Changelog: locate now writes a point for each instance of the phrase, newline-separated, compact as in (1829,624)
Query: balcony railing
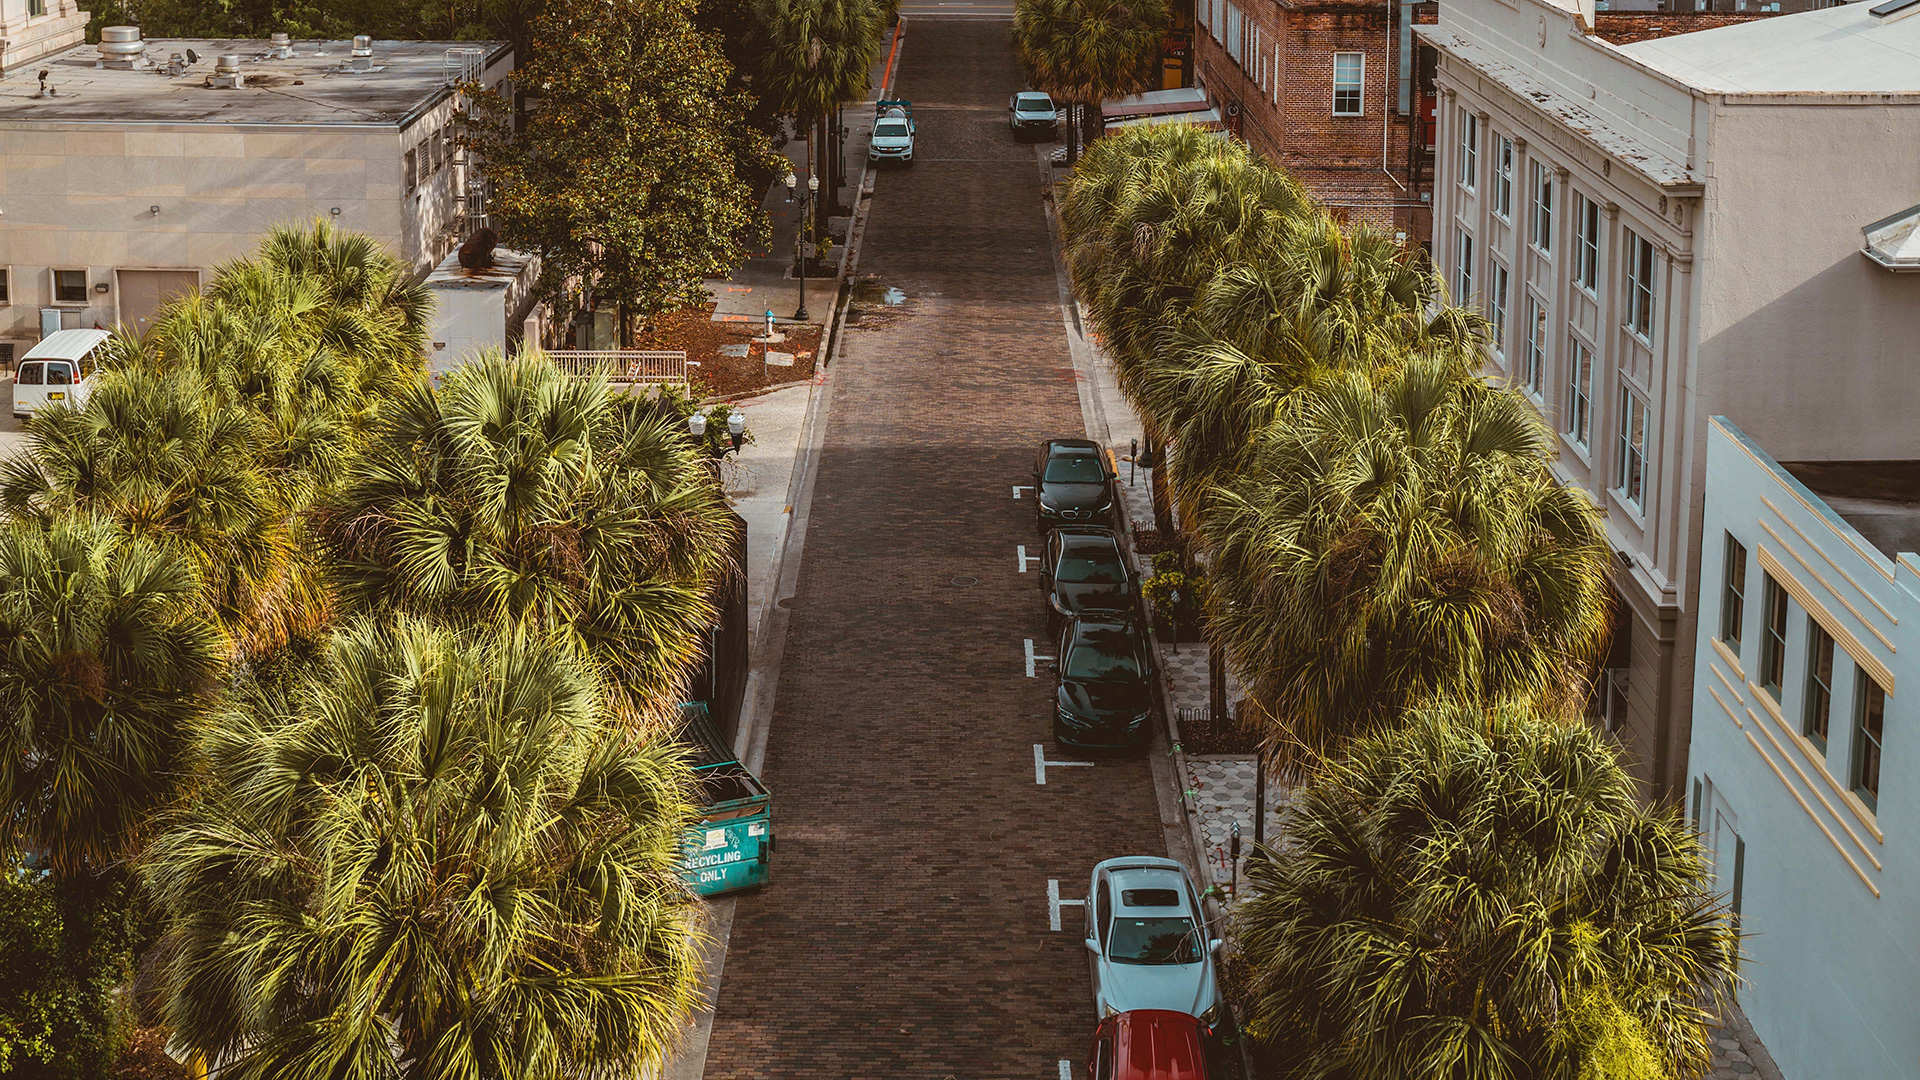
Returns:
(627,365)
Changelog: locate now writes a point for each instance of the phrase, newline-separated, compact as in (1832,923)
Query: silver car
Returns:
(1147,940)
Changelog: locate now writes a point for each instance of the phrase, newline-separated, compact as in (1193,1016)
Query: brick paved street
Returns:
(905,931)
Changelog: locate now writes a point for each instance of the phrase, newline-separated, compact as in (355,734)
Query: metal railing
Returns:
(627,365)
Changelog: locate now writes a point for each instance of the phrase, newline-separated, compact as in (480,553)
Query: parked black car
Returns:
(1082,570)
(1103,686)
(1072,484)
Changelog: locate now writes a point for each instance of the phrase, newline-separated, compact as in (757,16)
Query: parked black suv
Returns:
(1072,484)
(1103,685)
(1082,570)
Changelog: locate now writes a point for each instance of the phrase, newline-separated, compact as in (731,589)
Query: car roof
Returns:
(1101,621)
(1151,877)
(1089,537)
(1157,1044)
(66,345)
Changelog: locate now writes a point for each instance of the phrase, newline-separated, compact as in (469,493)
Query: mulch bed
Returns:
(1202,736)
(145,1058)
(724,376)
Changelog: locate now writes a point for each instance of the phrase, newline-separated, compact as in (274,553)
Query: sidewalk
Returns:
(766,281)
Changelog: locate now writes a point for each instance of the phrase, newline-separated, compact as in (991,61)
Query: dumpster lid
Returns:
(698,734)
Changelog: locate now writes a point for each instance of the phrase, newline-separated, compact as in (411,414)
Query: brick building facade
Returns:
(1319,87)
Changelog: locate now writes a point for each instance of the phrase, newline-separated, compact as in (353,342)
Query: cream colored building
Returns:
(31,29)
(1674,229)
(130,172)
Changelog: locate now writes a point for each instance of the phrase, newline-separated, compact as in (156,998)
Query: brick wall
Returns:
(1627,27)
(1285,96)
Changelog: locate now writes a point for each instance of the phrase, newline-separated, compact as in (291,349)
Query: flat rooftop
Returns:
(1837,50)
(311,87)
(1880,499)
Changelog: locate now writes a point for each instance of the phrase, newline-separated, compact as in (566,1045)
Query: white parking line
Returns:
(1032,656)
(1054,903)
(1025,558)
(1041,764)
(1018,488)
(1066,1069)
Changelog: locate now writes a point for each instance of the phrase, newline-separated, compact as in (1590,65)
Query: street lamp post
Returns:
(806,220)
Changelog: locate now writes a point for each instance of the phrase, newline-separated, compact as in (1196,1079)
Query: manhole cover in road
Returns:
(966,582)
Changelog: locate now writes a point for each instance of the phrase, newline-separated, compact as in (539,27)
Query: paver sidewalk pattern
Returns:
(905,932)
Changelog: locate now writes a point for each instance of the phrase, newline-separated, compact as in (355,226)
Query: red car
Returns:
(1148,1044)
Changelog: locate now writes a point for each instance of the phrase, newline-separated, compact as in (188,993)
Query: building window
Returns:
(1469,150)
(413,170)
(1349,80)
(1234,31)
(1632,473)
(1733,595)
(1463,267)
(1869,723)
(1579,393)
(1586,270)
(69,286)
(1503,177)
(36,8)
(1819,684)
(1773,636)
(6,285)
(1542,207)
(1640,286)
(1536,366)
(1497,305)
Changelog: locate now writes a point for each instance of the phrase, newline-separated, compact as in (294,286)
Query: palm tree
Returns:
(815,56)
(1083,52)
(105,658)
(438,855)
(1153,215)
(156,454)
(1482,894)
(1389,543)
(517,494)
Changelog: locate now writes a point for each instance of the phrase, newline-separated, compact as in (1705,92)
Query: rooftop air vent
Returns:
(1893,10)
(362,53)
(282,46)
(226,73)
(120,47)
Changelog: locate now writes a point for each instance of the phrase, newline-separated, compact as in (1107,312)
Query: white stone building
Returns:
(31,29)
(1804,757)
(126,177)
(1673,229)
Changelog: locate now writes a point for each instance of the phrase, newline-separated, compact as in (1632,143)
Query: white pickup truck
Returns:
(892,138)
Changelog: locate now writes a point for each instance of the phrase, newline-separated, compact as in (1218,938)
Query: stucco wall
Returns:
(1833,969)
(1806,344)
(82,196)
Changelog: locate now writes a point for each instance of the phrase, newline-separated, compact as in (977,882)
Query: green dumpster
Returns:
(731,845)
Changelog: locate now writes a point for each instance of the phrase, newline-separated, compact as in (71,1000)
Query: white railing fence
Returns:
(627,365)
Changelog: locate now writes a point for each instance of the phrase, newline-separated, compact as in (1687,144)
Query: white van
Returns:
(59,369)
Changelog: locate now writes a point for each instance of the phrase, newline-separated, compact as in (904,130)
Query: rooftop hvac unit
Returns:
(362,53)
(281,46)
(226,72)
(120,47)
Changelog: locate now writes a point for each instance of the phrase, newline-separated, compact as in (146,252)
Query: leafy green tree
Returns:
(65,955)
(440,855)
(815,56)
(518,494)
(1393,542)
(1083,52)
(105,657)
(625,178)
(1483,894)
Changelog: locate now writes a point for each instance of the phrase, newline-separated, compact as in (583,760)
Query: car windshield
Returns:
(890,127)
(1154,941)
(1034,103)
(1091,564)
(1103,654)
(1079,469)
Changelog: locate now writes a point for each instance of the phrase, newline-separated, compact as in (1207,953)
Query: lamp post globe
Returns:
(737,428)
(697,425)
